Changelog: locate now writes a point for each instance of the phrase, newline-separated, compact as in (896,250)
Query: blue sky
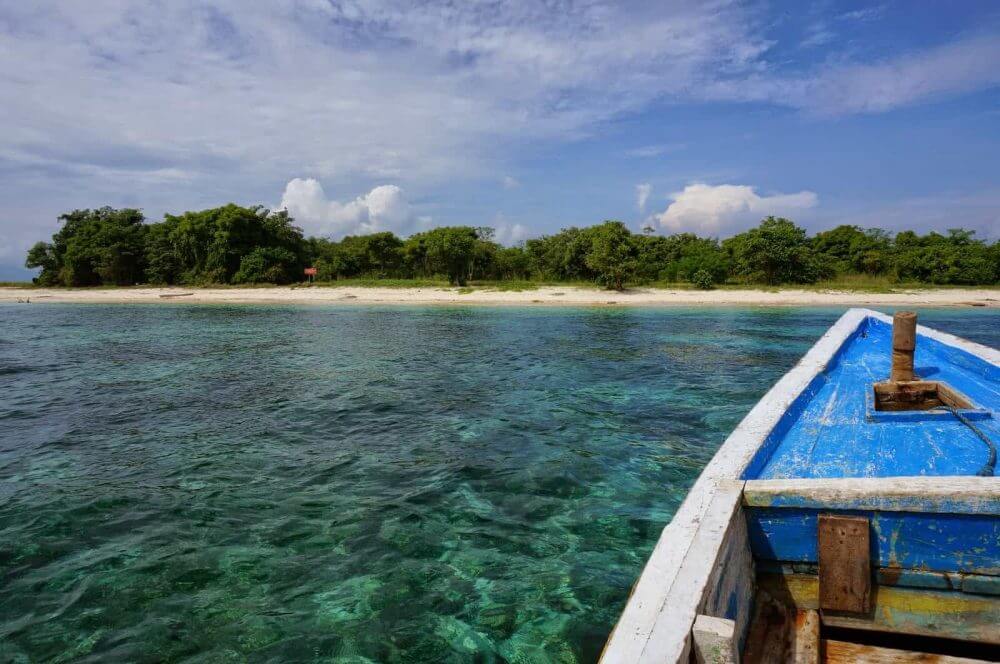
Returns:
(527,116)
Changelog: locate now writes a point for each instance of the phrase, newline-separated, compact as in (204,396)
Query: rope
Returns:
(991,463)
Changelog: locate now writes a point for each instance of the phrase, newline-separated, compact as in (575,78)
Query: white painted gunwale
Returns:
(938,495)
(656,623)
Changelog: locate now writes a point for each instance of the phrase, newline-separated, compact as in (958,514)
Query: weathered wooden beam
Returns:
(714,641)
(934,613)
(845,572)
(904,341)
(938,495)
(806,646)
(842,652)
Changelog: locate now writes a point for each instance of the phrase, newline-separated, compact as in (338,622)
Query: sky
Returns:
(523,115)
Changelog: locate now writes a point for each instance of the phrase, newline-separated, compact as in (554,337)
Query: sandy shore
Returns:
(549,295)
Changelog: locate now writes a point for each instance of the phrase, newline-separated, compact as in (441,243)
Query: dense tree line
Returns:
(241,245)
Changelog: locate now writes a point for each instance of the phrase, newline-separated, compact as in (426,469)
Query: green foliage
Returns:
(848,249)
(271,265)
(448,250)
(512,263)
(43,255)
(956,258)
(703,279)
(561,257)
(775,252)
(612,254)
(103,246)
(250,245)
(209,246)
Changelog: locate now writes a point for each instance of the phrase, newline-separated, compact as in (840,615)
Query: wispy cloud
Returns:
(642,192)
(962,66)
(864,14)
(817,34)
(654,150)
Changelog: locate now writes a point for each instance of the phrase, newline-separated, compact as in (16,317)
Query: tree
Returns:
(775,252)
(163,260)
(562,256)
(612,254)
(447,250)
(274,265)
(208,246)
(93,247)
(512,263)
(653,252)
(956,258)
(42,255)
(847,249)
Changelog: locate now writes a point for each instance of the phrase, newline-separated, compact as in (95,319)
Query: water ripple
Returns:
(216,483)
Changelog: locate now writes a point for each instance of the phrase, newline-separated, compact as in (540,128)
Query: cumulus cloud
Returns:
(508,233)
(384,208)
(727,208)
(642,192)
(510,182)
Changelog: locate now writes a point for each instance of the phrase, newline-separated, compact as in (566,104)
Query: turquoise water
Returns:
(226,483)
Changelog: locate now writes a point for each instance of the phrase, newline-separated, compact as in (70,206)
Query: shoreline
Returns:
(542,296)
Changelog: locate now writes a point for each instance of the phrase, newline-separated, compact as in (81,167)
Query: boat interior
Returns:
(862,523)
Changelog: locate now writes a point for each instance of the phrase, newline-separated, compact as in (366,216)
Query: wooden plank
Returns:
(904,341)
(652,606)
(714,640)
(845,574)
(806,648)
(842,652)
(941,614)
(938,495)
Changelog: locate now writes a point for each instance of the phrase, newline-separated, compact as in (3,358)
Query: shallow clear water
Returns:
(226,483)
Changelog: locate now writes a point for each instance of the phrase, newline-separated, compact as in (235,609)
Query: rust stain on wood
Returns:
(845,576)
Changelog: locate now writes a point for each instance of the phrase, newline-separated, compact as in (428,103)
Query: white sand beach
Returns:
(547,295)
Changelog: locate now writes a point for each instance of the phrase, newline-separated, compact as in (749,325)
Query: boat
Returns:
(852,516)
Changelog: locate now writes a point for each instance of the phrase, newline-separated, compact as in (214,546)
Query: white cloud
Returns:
(508,233)
(175,105)
(642,192)
(511,234)
(817,34)
(384,208)
(510,182)
(646,151)
(376,89)
(866,14)
(727,208)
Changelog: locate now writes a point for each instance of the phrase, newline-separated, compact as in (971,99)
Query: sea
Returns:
(258,483)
